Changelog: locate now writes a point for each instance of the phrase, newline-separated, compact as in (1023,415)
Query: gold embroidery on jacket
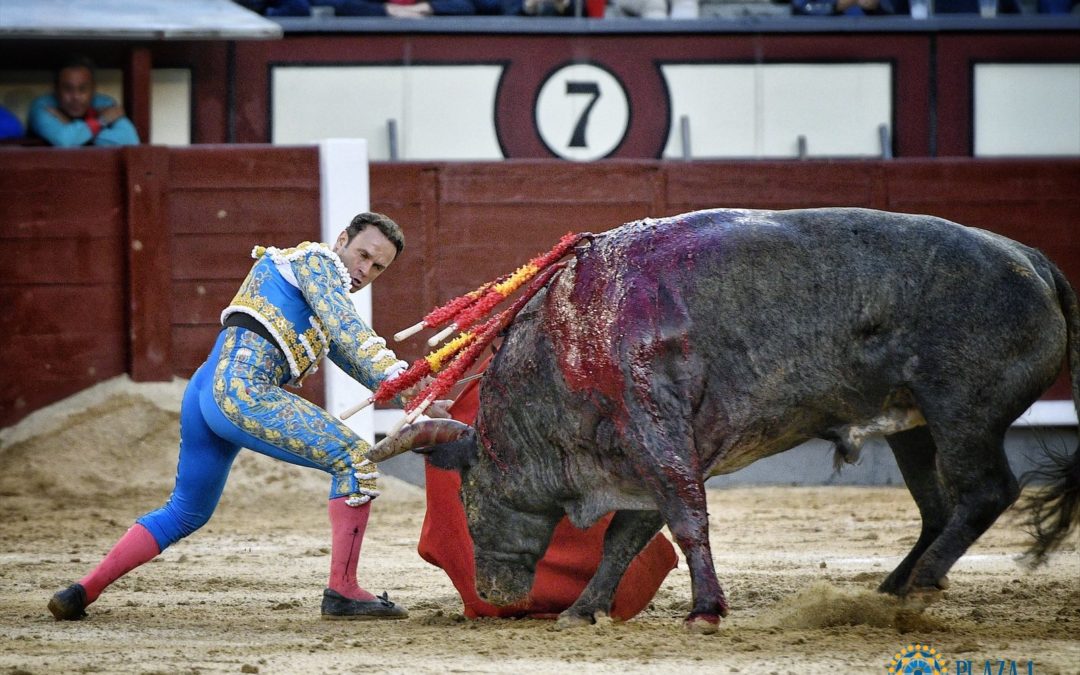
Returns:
(305,349)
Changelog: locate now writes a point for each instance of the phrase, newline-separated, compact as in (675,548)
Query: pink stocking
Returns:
(134,548)
(347,525)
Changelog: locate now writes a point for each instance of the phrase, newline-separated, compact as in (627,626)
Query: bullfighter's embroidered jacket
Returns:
(301,296)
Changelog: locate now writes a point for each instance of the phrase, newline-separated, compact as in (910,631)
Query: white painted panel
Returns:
(747,110)
(719,101)
(312,103)
(837,107)
(449,113)
(442,112)
(1027,109)
(170,106)
(109,82)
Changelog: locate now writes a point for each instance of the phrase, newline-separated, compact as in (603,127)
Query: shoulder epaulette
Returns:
(282,256)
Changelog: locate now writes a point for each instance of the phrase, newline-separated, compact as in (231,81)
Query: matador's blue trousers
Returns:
(234,400)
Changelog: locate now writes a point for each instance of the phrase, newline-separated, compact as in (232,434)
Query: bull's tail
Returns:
(1054,511)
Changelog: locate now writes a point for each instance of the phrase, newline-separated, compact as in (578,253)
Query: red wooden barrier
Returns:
(121,260)
(62,237)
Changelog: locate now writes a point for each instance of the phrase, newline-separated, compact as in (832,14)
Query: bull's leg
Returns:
(975,471)
(916,455)
(627,534)
(685,513)
(667,463)
(655,430)
(657,435)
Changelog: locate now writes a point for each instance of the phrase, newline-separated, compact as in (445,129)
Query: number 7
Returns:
(577,140)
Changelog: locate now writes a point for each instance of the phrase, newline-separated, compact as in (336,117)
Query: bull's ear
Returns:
(454,455)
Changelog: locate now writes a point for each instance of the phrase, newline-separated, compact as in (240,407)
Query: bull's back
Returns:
(827,317)
(775,324)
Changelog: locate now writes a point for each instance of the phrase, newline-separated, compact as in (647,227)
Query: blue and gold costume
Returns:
(299,298)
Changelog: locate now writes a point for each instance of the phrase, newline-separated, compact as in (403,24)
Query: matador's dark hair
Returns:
(388,227)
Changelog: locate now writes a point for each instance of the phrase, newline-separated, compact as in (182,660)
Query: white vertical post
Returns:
(392,137)
(885,141)
(343,181)
(684,134)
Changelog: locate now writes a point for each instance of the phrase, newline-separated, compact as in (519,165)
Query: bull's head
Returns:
(508,538)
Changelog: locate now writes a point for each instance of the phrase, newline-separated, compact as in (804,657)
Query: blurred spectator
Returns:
(548,7)
(1057,6)
(878,7)
(645,9)
(590,8)
(742,9)
(75,114)
(972,7)
(454,8)
(850,7)
(10,126)
(685,9)
(394,8)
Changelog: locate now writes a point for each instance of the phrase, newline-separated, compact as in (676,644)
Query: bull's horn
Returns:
(419,435)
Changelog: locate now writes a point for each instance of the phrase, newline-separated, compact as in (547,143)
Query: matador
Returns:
(292,309)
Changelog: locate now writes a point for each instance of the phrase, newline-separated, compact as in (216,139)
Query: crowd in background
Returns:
(70,117)
(652,9)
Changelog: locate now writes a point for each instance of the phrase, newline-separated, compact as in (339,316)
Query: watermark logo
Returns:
(995,667)
(917,659)
(920,659)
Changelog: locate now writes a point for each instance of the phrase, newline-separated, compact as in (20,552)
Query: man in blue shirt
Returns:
(75,114)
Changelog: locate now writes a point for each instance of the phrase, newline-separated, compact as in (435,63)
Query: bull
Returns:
(675,349)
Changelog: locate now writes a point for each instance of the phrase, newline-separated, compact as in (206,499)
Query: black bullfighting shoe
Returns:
(69,604)
(336,606)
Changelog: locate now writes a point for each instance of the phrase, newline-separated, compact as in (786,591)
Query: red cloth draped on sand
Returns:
(561,575)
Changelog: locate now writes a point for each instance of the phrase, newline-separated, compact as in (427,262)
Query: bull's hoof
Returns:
(890,586)
(702,624)
(893,587)
(926,593)
(567,621)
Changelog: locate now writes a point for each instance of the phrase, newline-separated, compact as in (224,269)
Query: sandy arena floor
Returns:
(242,595)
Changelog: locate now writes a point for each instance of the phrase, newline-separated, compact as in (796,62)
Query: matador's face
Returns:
(366,256)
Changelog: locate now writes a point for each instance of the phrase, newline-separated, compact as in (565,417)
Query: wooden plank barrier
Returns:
(62,238)
(476,221)
(120,260)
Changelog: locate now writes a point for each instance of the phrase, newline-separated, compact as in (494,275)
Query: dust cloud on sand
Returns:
(242,595)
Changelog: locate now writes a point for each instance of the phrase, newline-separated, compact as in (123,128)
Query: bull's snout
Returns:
(502,583)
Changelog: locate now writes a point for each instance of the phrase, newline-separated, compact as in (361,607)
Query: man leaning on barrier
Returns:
(76,114)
